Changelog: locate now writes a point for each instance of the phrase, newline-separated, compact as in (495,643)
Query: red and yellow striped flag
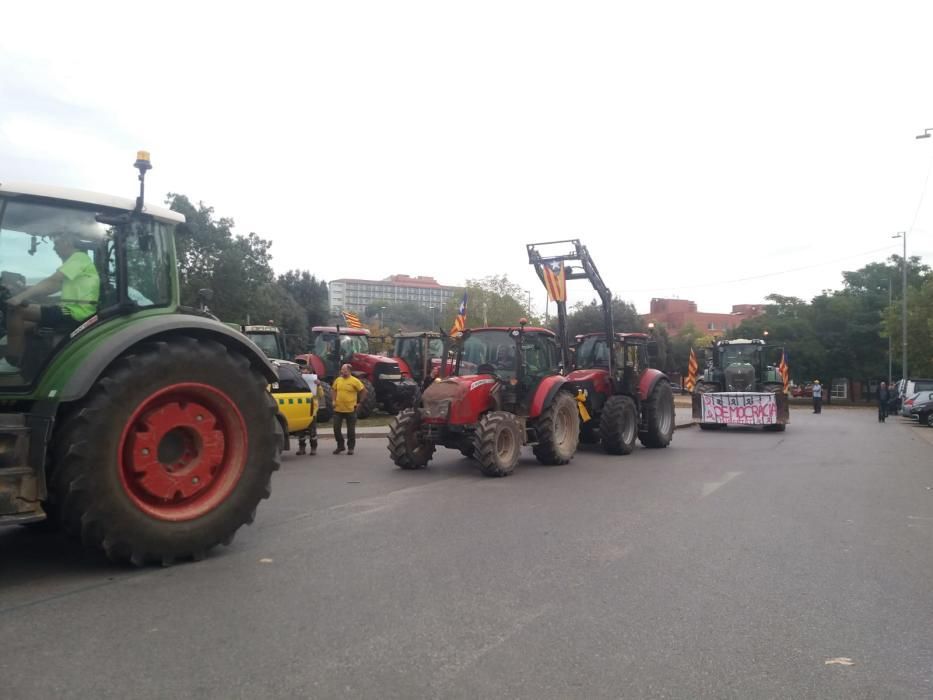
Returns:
(691,382)
(555,281)
(460,322)
(352,319)
(784,370)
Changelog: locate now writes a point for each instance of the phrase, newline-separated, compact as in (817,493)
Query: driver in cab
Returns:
(79,285)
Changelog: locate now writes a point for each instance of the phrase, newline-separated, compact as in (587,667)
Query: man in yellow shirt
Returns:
(348,393)
(79,284)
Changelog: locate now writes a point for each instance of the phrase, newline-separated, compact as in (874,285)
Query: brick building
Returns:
(354,294)
(677,313)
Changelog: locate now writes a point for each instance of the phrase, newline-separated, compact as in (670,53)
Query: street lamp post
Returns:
(890,359)
(433,317)
(903,235)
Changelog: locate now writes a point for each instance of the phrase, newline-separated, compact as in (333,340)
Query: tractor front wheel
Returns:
(618,425)
(659,417)
(558,429)
(368,405)
(498,443)
(325,409)
(168,454)
(407,445)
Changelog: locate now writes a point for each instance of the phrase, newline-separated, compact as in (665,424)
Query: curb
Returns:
(330,435)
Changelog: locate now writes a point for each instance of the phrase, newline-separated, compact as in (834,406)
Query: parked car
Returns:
(804,391)
(908,395)
(922,407)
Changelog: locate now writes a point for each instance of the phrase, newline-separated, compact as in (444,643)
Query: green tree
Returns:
(310,294)
(492,301)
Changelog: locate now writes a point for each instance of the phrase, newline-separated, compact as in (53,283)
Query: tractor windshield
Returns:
(58,268)
(592,352)
(269,344)
(740,354)
(411,350)
(489,352)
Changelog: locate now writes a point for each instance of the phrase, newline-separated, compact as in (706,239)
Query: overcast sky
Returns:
(690,145)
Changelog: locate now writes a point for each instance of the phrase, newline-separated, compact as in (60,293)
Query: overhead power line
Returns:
(722,283)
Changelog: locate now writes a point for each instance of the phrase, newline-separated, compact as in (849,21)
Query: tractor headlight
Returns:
(436,409)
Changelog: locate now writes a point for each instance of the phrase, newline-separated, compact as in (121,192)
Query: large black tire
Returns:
(168,454)
(618,425)
(703,388)
(368,406)
(407,446)
(498,443)
(325,410)
(774,389)
(659,416)
(558,429)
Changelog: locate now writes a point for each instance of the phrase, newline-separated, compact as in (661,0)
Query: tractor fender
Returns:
(161,327)
(545,393)
(314,362)
(403,367)
(648,380)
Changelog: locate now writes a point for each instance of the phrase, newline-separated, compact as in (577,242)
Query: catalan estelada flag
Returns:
(555,281)
(460,322)
(352,319)
(784,370)
(691,382)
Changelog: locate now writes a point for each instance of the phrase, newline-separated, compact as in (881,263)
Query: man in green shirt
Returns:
(77,281)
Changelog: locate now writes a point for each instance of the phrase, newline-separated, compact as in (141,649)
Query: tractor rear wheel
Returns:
(407,445)
(326,409)
(368,406)
(618,425)
(659,416)
(498,443)
(168,454)
(558,429)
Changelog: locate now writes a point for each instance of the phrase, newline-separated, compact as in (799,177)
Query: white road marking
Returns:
(711,486)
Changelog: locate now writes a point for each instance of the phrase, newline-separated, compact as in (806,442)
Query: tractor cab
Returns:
(69,259)
(493,368)
(629,357)
(336,346)
(419,351)
(269,339)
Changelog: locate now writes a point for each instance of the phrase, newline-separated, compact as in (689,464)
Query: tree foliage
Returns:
(238,270)
(843,333)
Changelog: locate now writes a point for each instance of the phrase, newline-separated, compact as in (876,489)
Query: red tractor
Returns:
(624,398)
(385,381)
(506,391)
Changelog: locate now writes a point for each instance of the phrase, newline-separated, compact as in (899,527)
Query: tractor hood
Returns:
(740,376)
(459,400)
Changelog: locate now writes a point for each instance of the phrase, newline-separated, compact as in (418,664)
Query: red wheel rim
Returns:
(182,451)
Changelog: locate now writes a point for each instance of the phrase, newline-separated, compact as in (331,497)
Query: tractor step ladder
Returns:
(19,482)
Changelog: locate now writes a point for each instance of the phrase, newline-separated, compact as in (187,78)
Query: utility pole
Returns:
(903,235)
(890,359)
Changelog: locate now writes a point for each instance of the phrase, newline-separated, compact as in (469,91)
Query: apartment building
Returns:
(355,294)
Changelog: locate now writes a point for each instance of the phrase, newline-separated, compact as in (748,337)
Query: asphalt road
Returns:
(740,564)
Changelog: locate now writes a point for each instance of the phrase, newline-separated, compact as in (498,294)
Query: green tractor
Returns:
(741,385)
(139,425)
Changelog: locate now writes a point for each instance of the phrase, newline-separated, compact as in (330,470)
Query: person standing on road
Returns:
(349,392)
(817,396)
(311,379)
(883,397)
